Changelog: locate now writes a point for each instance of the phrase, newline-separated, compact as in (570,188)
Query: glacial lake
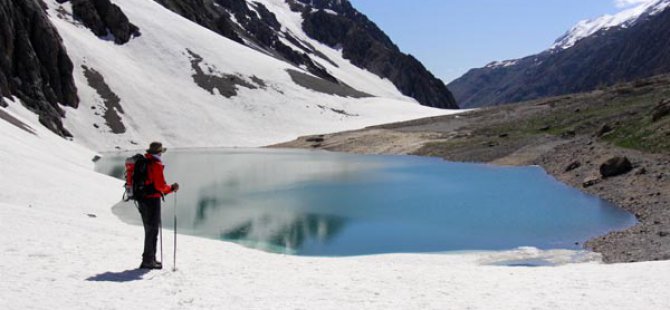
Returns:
(317,203)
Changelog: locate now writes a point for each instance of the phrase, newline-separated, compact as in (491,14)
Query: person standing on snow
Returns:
(150,205)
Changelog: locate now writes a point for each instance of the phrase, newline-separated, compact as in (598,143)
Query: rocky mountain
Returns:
(631,45)
(115,74)
(335,23)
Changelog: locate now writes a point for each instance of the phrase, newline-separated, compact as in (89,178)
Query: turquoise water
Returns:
(331,204)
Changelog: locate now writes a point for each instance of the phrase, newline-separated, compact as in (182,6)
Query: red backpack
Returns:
(137,170)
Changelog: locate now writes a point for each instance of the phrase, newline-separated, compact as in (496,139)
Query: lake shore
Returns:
(534,133)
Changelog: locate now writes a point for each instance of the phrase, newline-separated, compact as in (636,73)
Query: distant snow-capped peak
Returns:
(623,19)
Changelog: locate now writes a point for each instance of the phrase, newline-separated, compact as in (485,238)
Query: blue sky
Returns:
(452,36)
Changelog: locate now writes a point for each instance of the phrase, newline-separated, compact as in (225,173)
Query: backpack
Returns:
(137,171)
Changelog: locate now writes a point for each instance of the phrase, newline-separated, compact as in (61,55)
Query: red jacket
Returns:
(155,176)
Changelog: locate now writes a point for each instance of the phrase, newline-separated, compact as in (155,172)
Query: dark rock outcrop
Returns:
(34,65)
(615,166)
(104,18)
(609,57)
(209,79)
(111,101)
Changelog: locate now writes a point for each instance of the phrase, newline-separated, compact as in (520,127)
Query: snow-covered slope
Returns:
(146,90)
(62,248)
(623,19)
(40,169)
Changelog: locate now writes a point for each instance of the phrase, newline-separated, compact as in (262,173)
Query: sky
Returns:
(452,36)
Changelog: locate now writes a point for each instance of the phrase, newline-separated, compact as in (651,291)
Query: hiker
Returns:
(149,204)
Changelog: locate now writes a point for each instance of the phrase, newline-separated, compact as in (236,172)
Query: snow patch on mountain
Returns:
(502,64)
(623,19)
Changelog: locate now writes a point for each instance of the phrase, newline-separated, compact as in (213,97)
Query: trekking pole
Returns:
(174,260)
(160,232)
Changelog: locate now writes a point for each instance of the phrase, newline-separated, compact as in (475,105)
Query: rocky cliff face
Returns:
(34,65)
(618,54)
(333,22)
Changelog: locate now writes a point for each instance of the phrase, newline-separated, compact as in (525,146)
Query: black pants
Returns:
(150,209)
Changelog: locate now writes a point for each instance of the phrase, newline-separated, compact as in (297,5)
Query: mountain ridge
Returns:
(623,19)
(612,54)
(335,23)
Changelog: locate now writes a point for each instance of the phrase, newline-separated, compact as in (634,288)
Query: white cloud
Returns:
(629,3)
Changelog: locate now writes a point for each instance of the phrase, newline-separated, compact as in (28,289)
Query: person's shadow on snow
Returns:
(123,276)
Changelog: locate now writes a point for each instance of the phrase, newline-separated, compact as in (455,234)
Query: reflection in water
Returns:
(269,225)
(318,203)
(203,205)
(118,171)
(291,236)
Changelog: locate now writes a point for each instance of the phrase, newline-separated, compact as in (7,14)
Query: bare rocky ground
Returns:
(570,137)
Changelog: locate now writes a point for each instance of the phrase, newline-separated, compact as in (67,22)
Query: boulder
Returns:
(572,166)
(590,181)
(615,166)
(605,129)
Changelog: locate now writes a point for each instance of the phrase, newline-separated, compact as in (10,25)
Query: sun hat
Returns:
(156,148)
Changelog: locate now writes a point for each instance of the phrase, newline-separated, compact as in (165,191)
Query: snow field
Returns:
(55,255)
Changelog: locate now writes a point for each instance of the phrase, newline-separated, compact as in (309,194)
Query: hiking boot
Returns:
(151,265)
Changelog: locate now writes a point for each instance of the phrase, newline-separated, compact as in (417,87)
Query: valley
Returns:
(261,102)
